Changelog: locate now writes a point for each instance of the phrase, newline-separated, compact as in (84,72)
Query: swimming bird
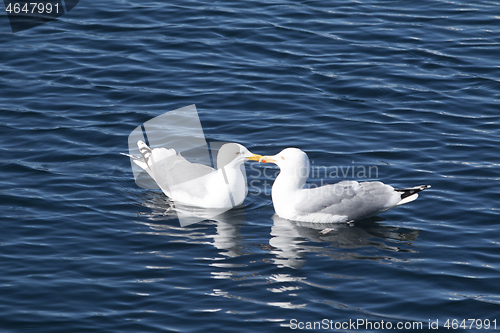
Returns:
(345,201)
(195,184)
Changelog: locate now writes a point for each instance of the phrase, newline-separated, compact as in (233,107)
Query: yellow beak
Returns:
(267,159)
(254,157)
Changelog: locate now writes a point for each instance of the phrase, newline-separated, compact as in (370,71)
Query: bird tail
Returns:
(410,194)
(146,154)
(131,156)
(145,151)
(152,156)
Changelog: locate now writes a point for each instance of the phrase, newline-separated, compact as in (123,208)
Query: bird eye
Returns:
(237,153)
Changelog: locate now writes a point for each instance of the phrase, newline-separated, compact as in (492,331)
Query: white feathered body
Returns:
(341,202)
(214,190)
(193,184)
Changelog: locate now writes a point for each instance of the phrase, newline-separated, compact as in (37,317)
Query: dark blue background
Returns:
(409,87)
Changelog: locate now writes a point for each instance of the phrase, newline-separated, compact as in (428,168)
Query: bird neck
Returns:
(235,181)
(285,188)
(232,172)
(291,179)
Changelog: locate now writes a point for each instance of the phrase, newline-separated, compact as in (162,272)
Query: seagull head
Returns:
(289,158)
(294,167)
(234,153)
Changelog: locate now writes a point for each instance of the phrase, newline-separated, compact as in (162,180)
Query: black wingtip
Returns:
(406,192)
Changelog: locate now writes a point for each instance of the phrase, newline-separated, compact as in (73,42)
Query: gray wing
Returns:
(169,169)
(182,170)
(139,161)
(350,198)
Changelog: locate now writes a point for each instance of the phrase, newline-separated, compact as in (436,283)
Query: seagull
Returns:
(195,184)
(346,201)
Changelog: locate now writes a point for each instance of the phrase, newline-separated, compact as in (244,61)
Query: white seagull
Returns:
(195,184)
(345,201)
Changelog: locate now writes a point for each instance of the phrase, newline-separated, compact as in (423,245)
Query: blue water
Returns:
(411,88)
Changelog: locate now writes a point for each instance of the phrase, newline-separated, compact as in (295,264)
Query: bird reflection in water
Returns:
(292,240)
(227,238)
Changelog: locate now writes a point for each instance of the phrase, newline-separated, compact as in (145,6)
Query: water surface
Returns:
(411,88)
